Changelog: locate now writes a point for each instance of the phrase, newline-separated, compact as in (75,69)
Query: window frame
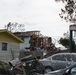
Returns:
(4,46)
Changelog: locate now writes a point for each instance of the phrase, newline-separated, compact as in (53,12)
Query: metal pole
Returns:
(71,47)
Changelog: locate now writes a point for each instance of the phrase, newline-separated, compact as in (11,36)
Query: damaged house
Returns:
(9,45)
(35,39)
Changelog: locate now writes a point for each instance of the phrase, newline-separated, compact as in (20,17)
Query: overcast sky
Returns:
(40,15)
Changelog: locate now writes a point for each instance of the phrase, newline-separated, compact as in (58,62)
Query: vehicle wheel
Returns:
(48,69)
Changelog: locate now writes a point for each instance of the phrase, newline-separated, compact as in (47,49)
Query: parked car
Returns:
(58,61)
(70,70)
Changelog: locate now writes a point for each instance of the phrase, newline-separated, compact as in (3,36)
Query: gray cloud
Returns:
(35,14)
